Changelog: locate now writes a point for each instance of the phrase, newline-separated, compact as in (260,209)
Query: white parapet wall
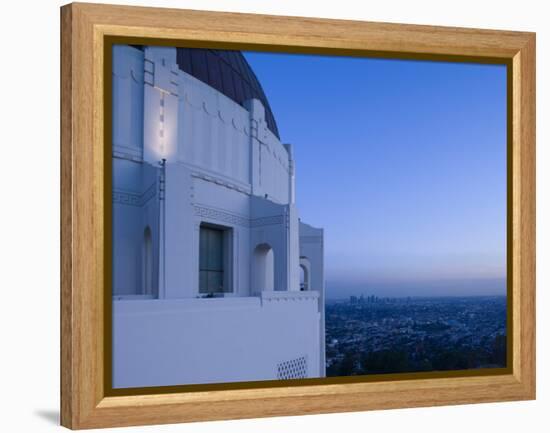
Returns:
(192,341)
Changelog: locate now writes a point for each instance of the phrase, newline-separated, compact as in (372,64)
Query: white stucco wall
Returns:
(128,106)
(184,155)
(213,133)
(223,166)
(161,342)
(312,251)
(190,122)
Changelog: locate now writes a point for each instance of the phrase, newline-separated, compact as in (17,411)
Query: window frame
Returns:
(227,260)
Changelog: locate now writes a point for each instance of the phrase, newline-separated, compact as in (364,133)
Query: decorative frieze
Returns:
(231,218)
(221,216)
(126,198)
(266,221)
(134,199)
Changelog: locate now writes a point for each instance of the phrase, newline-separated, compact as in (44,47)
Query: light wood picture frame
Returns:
(87,33)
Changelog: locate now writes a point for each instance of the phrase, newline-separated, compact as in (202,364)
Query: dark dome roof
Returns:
(229,73)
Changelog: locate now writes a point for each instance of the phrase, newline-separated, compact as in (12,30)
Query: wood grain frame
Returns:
(85,402)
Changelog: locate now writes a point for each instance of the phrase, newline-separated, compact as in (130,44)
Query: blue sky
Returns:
(403,163)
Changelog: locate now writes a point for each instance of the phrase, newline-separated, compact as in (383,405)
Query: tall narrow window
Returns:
(214,260)
(147,262)
(263,271)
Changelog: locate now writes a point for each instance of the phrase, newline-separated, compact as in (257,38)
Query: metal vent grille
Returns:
(293,369)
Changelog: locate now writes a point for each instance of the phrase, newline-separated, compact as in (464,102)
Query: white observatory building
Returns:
(215,278)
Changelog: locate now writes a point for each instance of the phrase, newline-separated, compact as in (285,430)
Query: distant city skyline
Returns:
(379,336)
(403,163)
(337,290)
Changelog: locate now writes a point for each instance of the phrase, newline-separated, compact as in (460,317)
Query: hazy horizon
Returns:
(402,163)
(435,288)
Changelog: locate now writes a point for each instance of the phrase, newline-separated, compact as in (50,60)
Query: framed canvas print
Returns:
(270,216)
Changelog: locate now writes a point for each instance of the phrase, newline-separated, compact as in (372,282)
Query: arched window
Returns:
(305,271)
(263,269)
(147,262)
